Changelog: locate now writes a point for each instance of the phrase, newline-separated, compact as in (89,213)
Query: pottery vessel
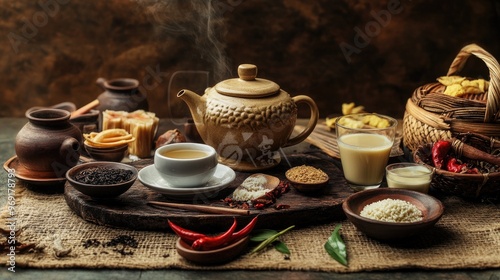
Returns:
(248,119)
(48,144)
(87,122)
(121,94)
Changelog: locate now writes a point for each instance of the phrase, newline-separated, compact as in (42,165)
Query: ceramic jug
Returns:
(248,119)
(121,94)
(48,145)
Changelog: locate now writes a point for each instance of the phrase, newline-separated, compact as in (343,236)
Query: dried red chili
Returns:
(453,165)
(439,153)
(472,171)
(186,235)
(213,242)
(244,231)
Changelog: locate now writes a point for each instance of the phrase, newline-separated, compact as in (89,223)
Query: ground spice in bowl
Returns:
(103,176)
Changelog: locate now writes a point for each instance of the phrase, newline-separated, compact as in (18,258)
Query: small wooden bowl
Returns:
(101,191)
(308,187)
(212,257)
(432,210)
(305,187)
(115,154)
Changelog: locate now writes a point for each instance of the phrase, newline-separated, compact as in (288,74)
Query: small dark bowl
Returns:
(432,210)
(101,191)
(212,257)
(115,154)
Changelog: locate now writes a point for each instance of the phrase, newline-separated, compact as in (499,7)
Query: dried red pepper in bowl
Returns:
(209,250)
(201,241)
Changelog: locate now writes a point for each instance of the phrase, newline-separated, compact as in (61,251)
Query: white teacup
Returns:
(186,164)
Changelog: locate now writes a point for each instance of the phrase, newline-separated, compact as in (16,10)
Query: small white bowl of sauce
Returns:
(410,176)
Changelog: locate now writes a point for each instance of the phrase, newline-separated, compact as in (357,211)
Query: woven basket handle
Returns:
(493,98)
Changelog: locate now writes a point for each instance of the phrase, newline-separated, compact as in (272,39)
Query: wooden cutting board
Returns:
(131,211)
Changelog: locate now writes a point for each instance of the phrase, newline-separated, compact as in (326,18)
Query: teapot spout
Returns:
(196,107)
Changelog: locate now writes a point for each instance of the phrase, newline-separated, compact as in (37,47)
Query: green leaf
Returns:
(335,246)
(270,240)
(281,247)
(262,234)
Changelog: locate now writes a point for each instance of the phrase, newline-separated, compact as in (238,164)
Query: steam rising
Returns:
(199,21)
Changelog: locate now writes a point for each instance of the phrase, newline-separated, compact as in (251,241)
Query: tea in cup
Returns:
(186,164)
(365,142)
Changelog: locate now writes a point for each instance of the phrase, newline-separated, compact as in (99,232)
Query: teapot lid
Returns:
(247,85)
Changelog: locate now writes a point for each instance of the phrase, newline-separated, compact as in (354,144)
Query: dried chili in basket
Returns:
(440,152)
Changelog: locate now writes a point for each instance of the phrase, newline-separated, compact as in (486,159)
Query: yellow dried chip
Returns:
(376,121)
(454,90)
(459,86)
(348,122)
(474,86)
(450,80)
(351,108)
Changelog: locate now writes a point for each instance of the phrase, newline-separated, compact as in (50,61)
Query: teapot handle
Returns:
(313,119)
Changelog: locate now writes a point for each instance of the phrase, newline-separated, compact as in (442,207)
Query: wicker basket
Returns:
(431,115)
(471,186)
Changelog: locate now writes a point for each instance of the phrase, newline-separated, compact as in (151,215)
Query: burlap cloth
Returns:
(467,236)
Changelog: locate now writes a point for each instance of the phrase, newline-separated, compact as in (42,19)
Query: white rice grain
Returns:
(392,210)
(251,188)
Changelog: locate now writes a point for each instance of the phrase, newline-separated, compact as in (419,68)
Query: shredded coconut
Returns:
(251,188)
(392,210)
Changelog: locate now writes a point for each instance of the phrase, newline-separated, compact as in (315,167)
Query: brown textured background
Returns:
(55,54)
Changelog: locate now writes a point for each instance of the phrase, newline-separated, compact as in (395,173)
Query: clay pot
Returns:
(121,94)
(48,145)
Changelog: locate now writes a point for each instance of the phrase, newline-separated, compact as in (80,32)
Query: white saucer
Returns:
(150,178)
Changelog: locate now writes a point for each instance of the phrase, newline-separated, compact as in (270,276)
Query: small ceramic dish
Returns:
(101,191)
(431,208)
(218,256)
(115,154)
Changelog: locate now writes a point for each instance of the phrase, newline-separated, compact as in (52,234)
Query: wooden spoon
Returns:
(272,181)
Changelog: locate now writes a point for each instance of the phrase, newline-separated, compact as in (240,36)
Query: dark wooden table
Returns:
(8,130)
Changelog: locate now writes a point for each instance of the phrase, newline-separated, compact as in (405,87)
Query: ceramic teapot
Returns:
(248,119)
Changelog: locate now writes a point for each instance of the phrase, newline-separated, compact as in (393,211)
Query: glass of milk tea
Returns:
(365,142)
(409,175)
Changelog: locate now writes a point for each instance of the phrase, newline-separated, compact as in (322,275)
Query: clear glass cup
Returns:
(409,175)
(365,146)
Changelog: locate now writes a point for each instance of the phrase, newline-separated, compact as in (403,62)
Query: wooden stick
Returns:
(473,153)
(202,208)
(84,109)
